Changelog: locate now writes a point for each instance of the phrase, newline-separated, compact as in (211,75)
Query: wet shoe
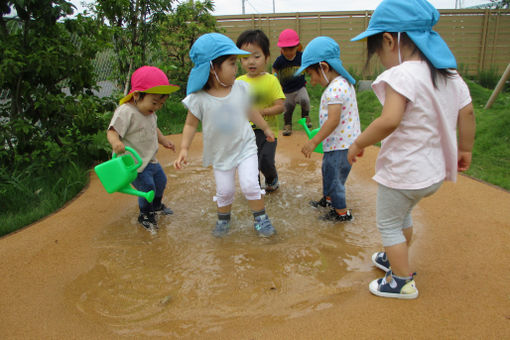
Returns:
(309,122)
(287,130)
(332,215)
(273,185)
(221,229)
(163,210)
(148,221)
(263,226)
(322,203)
(380,260)
(391,286)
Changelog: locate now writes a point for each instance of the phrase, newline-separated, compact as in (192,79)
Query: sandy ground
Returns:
(462,257)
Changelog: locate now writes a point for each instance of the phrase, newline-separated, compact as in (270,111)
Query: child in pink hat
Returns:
(134,124)
(284,67)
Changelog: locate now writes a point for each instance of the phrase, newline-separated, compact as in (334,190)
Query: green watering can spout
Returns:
(117,174)
(149,196)
(311,134)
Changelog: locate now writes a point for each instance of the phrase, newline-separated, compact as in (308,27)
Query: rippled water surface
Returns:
(184,282)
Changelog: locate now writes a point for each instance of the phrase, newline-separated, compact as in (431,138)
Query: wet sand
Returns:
(89,271)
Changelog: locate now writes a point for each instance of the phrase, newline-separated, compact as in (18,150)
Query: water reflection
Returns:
(184,282)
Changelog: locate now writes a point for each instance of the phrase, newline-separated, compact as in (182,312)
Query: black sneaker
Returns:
(322,203)
(148,220)
(332,215)
(270,187)
(163,210)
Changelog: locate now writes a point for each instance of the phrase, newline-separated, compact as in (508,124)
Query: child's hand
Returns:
(168,144)
(269,135)
(354,151)
(118,147)
(464,160)
(181,161)
(308,148)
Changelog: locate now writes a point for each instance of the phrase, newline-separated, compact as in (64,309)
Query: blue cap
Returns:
(415,18)
(207,48)
(324,49)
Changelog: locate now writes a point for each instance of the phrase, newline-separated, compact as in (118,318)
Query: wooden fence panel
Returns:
(479,39)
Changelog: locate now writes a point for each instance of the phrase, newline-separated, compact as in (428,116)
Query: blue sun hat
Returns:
(207,48)
(324,49)
(416,18)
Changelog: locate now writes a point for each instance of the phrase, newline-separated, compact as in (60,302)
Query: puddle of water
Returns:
(184,282)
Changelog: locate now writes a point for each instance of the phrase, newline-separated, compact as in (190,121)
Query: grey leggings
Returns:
(393,211)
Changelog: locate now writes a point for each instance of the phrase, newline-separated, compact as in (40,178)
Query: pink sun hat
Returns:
(288,38)
(149,79)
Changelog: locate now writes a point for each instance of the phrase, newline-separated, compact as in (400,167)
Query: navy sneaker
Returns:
(263,226)
(332,215)
(270,187)
(391,286)
(148,220)
(380,260)
(163,210)
(221,229)
(322,203)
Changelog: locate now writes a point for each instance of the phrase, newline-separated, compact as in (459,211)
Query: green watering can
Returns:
(117,174)
(311,134)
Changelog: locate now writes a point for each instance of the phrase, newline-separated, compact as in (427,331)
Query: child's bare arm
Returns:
(274,110)
(165,141)
(190,127)
(334,112)
(256,118)
(383,126)
(466,126)
(114,139)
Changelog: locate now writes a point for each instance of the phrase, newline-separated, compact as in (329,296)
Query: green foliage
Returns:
(489,78)
(47,113)
(134,26)
(180,29)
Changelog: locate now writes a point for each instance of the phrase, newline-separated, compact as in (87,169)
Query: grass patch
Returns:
(28,195)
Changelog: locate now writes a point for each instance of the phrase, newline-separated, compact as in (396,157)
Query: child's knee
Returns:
(224,197)
(251,190)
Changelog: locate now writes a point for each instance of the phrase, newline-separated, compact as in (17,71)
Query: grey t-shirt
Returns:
(137,131)
(227,134)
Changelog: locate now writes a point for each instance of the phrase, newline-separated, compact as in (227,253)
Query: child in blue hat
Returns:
(222,104)
(338,119)
(424,102)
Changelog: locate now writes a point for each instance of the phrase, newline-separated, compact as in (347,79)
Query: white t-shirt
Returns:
(340,91)
(137,131)
(423,149)
(227,134)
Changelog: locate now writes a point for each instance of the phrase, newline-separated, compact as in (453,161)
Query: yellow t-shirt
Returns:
(265,90)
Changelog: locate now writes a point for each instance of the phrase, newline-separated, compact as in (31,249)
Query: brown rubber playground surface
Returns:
(80,274)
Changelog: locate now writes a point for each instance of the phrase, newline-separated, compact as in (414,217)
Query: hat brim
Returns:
(162,89)
(366,34)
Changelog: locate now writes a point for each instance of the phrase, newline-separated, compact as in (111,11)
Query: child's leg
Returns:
(304,101)
(145,182)
(335,169)
(160,181)
(266,156)
(225,189)
(394,221)
(289,105)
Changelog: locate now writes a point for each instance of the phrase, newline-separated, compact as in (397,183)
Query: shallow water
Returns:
(184,282)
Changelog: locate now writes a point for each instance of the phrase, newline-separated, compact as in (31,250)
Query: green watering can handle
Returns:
(137,157)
